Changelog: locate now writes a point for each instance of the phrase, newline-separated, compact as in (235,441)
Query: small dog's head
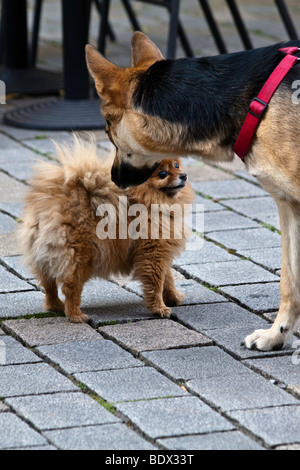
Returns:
(168,178)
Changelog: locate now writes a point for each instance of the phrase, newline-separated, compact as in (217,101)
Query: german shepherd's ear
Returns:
(143,51)
(105,74)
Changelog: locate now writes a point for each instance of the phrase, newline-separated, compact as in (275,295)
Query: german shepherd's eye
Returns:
(128,154)
(163,174)
(176,165)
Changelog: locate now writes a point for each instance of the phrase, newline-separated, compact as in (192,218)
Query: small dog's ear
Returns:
(104,73)
(143,51)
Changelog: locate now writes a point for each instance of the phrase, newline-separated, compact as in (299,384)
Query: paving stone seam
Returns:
(268,376)
(82,388)
(245,306)
(28,422)
(218,289)
(232,172)
(123,345)
(241,256)
(23,143)
(17,274)
(261,222)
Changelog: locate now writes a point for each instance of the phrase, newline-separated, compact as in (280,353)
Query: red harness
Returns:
(259,104)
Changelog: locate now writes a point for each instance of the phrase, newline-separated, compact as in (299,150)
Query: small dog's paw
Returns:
(78,318)
(265,340)
(57,306)
(161,310)
(172,299)
(164,312)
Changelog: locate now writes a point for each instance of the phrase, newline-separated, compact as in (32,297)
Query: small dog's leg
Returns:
(289,311)
(152,279)
(171,295)
(72,292)
(52,301)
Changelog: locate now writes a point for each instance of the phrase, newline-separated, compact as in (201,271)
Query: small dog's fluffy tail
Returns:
(80,176)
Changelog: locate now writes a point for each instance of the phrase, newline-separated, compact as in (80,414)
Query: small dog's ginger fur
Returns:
(58,230)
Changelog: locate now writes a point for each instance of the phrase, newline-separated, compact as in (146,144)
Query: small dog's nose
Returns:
(183,176)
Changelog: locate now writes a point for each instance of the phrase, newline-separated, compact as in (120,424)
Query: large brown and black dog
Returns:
(158,108)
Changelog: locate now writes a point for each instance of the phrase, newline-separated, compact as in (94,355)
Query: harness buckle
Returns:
(262,110)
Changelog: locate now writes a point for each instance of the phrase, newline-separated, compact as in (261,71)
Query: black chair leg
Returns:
(213,26)
(239,24)
(35,32)
(129,10)
(286,18)
(110,31)
(103,26)
(173,29)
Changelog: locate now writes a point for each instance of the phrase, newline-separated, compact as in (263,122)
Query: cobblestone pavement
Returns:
(128,380)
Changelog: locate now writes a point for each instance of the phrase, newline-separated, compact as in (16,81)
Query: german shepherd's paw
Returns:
(266,340)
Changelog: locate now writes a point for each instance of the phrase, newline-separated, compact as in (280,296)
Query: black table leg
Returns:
(16,73)
(76,111)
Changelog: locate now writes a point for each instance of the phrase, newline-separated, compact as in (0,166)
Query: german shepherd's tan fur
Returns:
(143,137)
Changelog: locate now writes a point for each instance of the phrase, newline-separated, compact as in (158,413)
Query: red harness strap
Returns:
(259,104)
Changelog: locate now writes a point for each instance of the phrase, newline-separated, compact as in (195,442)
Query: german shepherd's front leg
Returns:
(289,311)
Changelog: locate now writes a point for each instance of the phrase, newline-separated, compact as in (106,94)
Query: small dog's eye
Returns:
(162,174)
(128,154)
(176,165)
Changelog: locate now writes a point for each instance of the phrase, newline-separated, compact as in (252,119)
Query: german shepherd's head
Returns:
(141,140)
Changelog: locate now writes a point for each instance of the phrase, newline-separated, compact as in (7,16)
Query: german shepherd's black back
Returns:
(208,95)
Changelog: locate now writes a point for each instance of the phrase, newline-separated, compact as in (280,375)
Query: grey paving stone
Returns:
(11,191)
(18,304)
(245,239)
(15,263)
(7,223)
(227,220)
(37,331)
(276,425)
(11,283)
(258,297)
(208,253)
(16,433)
(32,379)
(61,410)
(153,334)
(15,209)
(260,208)
(269,257)
(83,356)
(187,364)
(8,244)
(208,204)
(235,272)
(283,369)
(103,301)
(216,316)
(106,436)
(130,384)
(195,293)
(227,440)
(174,417)
(14,352)
(241,391)
(229,189)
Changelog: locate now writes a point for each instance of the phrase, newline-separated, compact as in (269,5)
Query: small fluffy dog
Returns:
(78,224)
